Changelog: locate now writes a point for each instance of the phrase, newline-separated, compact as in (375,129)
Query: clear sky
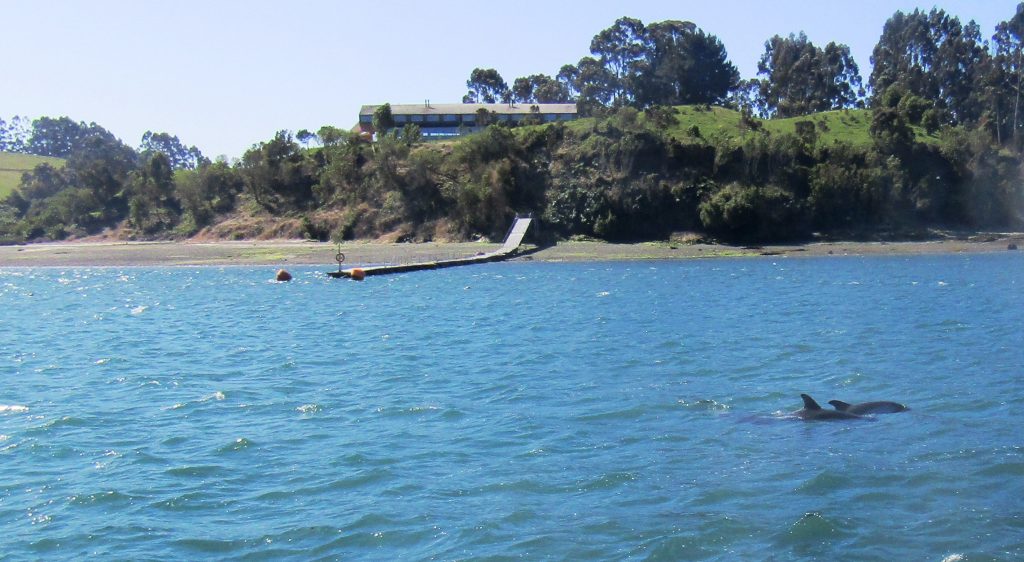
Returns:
(223,75)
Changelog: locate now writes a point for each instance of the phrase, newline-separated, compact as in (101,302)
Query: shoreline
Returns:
(282,253)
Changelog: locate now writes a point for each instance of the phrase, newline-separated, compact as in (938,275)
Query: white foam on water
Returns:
(13,408)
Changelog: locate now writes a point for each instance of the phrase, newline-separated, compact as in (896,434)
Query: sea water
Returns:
(624,410)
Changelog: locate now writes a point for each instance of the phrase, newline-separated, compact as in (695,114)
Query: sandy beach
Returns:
(284,253)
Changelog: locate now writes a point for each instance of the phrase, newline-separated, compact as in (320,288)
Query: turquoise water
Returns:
(631,410)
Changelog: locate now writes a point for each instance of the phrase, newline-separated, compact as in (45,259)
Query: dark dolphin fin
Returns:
(809,403)
(839,405)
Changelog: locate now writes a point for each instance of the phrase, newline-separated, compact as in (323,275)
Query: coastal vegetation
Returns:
(672,141)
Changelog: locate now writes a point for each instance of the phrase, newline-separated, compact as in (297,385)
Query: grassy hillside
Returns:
(849,126)
(13,165)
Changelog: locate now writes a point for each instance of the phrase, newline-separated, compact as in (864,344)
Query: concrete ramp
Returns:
(515,234)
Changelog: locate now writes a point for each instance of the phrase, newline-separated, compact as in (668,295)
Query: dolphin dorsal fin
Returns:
(839,405)
(809,403)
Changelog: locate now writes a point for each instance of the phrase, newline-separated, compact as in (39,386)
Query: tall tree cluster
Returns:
(936,58)
(631,64)
(800,78)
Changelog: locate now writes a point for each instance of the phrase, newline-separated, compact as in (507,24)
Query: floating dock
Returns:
(508,249)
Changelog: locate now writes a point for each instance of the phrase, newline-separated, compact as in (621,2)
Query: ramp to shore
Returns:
(508,249)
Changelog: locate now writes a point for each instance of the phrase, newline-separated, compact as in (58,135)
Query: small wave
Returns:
(823,484)
(410,411)
(954,558)
(606,481)
(216,396)
(210,546)
(65,421)
(705,404)
(195,471)
(625,414)
(100,498)
(307,409)
(237,445)
(184,502)
(1010,469)
(604,294)
(13,408)
(812,527)
(139,310)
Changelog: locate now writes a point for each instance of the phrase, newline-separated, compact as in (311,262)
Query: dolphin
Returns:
(813,412)
(868,407)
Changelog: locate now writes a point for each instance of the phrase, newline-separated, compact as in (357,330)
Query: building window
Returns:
(433,118)
(401,118)
(417,118)
(366,119)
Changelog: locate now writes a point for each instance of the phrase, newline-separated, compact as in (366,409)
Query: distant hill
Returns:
(12,166)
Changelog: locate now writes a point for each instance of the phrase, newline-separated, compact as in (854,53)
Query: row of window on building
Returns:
(468,119)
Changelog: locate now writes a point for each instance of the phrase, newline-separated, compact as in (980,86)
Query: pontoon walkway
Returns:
(507,250)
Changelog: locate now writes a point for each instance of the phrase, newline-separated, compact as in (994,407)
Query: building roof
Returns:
(471,108)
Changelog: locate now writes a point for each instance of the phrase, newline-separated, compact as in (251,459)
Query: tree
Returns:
(486,86)
(1008,71)
(59,137)
(595,86)
(800,78)
(152,206)
(540,88)
(279,175)
(42,182)
(664,63)
(621,50)
(305,137)
(179,156)
(14,134)
(686,66)
(932,56)
(205,192)
(383,120)
(330,136)
(411,134)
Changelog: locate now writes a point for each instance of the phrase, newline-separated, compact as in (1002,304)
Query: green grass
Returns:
(851,126)
(12,166)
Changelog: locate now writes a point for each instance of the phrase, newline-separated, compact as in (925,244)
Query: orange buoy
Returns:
(283,275)
(357,274)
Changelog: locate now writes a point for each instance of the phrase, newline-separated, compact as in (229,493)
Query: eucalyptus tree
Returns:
(486,86)
(932,56)
(1008,71)
(622,49)
(179,156)
(540,88)
(800,78)
(683,65)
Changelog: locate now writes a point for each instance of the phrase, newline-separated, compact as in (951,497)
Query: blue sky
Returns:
(225,75)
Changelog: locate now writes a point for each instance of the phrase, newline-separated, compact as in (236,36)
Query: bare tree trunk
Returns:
(1016,101)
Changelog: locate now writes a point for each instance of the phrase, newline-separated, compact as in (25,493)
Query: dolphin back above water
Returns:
(882,407)
(813,412)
